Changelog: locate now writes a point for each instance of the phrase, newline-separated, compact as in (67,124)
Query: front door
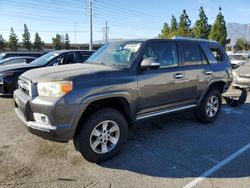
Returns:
(161,88)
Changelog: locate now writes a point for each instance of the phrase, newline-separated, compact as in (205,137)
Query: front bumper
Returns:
(25,107)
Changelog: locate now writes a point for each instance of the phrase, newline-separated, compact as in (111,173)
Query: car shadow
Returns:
(177,146)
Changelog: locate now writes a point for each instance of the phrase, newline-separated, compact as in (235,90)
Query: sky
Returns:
(126,19)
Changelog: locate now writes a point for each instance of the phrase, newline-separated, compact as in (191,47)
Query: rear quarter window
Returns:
(218,54)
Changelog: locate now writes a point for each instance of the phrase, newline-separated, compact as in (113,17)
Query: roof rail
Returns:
(191,38)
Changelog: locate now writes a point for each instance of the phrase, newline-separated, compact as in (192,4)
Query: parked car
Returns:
(9,73)
(15,60)
(123,82)
(238,58)
(18,54)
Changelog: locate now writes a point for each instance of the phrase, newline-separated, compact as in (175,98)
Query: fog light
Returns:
(41,119)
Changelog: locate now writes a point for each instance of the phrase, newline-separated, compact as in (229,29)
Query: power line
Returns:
(109,5)
(58,31)
(34,18)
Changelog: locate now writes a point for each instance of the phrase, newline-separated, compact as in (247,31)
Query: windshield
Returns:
(43,60)
(120,54)
(238,57)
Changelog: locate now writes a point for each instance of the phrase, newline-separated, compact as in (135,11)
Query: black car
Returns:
(18,54)
(15,60)
(10,73)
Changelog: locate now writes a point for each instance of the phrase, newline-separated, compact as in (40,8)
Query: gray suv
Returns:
(123,82)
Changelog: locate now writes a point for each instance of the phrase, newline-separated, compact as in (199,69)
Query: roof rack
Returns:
(191,38)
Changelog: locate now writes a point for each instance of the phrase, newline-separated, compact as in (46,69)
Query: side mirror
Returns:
(150,63)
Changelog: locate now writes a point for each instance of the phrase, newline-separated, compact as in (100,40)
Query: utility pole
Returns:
(90,24)
(75,32)
(105,32)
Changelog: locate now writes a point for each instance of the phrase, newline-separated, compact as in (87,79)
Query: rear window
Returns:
(218,54)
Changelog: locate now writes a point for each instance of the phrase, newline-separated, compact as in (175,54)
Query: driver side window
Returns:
(165,53)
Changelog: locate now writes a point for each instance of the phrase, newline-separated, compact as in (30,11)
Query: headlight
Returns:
(54,89)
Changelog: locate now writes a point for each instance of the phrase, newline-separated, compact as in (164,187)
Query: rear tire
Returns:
(101,135)
(209,108)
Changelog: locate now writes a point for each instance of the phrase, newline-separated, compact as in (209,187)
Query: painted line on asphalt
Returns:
(217,167)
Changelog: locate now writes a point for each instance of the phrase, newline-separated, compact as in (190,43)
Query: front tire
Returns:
(209,108)
(102,135)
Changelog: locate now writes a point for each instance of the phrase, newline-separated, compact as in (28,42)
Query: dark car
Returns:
(15,60)
(94,103)
(18,54)
(10,73)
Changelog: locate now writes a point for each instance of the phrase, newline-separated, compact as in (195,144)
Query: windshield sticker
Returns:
(132,47)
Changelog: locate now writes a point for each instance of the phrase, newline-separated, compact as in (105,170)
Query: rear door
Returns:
(163,87)
(197,71)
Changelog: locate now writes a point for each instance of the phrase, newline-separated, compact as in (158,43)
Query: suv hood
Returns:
(64,72)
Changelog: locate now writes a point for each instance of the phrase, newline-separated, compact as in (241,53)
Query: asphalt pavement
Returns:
(174,151)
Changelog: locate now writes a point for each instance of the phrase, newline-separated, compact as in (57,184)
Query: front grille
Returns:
(25,86)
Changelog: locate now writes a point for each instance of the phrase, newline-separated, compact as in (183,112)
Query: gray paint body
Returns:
(146,91)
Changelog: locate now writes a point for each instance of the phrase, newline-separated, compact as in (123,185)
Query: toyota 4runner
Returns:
(123,82)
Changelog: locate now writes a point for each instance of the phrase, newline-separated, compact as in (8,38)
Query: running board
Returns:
(161,112)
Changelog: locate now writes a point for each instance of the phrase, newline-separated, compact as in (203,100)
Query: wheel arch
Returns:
(215,84)
(120,101)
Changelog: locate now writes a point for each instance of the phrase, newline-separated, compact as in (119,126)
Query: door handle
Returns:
(178,75)
(207,72)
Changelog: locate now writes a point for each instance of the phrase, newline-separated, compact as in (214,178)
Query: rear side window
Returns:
(191,54)
(83,56)
(165,53)
(14,61)
(218,54)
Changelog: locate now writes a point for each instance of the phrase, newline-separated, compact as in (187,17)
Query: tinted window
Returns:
(14,61)
(191,54)
(218,54)
(65,59)
(29,60)
(203,58)
(165,54)
(83,56)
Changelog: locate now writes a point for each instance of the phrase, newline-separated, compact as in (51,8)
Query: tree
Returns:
(165,32)
(219,30)
(184,25)
(174,26)
(67,42)
(57,42)
(26,38)
(242,44)
(13,40)
(201,27)
(2,43)
(38,43)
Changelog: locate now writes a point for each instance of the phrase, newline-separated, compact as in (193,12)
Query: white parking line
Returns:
(217,167)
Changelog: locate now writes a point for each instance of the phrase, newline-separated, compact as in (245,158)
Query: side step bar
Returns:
(165,111)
